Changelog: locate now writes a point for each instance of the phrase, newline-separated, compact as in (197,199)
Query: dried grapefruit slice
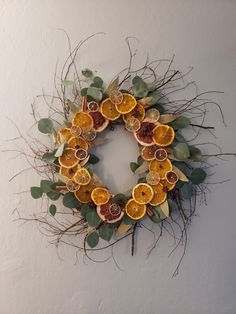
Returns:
(138,112)
(63,135)
(132,124)
(83,120)
(108,110)
(148,152)
(84,193)
(142,193)
(109,212)
(82,176)
(77,142)
(162,167)
(163,135)
(128,103)
(99,122)
(100,196)
(144,135)
(135,210)
(159,195)
(68,159)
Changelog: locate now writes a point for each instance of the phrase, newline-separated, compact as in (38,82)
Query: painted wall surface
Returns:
(34,279)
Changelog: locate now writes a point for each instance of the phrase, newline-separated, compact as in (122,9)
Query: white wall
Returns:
(33,280)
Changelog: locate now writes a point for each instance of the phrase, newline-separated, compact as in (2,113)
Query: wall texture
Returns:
(33,279)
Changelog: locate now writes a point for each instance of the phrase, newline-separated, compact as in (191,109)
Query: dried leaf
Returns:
(123,228)
(180,174)
(97,180)
(99,141)
(146,102)
(167,118)
(143,168)
(84,162)
(113,86)
(165,208)
(62,178)
(72,106)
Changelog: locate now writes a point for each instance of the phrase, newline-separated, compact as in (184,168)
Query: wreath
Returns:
(171,170)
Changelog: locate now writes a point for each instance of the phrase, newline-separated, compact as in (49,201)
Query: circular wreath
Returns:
(171,170)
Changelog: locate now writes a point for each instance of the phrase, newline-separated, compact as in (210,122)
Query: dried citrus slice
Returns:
(77,142)
(68,159)
(100,196)
(152,115)
(128,103)
(138,112)
(90,135)
(135,210)
(163,135)
(76,130)
(162,167)
(72,186)
(69,172)
(153,177)
(110,212)
(99,122)
(116,97)
(144,135)
(93,106)
(84,192)
(142,193)
(159,195)
(161,154)
(132,124)
(167,186)
(81,154)
(82,176)
(108,110)
(63,135)
(83,120)
(148,152)
(171,177)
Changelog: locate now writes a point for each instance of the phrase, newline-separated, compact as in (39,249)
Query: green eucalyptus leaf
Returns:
(92,218)
(60,150)
(197,176)
(133,166)
(70,201)
(181,151)
(172,205)
(195,153)
(106,232)
(140,87)
(180,122)
(93,159)
(92,239)
(157,210)
(119,198)
(46,185)
(142,180)
(127,220)
(36,192)
(52,209)
(140,160)
(53,195)
(97,82)
(179,137)
(89,167)
(83,91)
(94,93)
(49,157)
(72,106)
(186,190)
(85,209)
(87,73)
(45,125)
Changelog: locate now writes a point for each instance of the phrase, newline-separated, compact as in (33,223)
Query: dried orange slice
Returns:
(72,186)
(144,135)
(138,112)
(135,210)
(90,136)
(142,193)
(152,115)
(83,120)
(84,192)
(116,97)
(161,154)
(100,196)
(82,176)
(81,154)
(163,135)
(68,159)
(159,195)
(132,124)
(167,186)
(69,172)
(128,103)
(152,177)
(148,152)
(77,142)
(99,122)
(108,110)
(162,167)
(93,106)
(76,130)
(171,177)
(63,135)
